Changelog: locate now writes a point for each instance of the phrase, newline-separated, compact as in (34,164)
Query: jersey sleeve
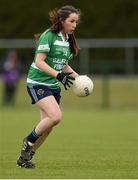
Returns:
(44,43)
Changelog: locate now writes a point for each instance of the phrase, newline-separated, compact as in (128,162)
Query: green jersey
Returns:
(58,56)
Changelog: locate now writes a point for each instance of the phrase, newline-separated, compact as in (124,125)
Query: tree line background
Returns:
(100,19)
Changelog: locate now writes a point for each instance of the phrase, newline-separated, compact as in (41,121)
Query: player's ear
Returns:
(61,20)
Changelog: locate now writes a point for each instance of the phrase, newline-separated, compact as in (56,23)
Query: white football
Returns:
(82,86)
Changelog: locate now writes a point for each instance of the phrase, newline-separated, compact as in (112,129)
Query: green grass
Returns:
(90,142)
(87,144)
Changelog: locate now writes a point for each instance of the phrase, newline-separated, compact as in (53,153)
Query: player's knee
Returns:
(56,118)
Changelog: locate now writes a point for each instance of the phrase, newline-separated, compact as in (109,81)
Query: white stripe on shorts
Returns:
(34,94)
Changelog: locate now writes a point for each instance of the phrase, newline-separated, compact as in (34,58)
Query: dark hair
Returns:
(61,14)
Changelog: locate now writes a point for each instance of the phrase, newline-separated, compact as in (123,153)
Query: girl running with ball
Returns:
(55,48)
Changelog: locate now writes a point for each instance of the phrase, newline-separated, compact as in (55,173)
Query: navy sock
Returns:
(32,137)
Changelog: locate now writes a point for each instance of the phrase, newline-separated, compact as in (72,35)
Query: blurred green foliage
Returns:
(99,19)
(108,18)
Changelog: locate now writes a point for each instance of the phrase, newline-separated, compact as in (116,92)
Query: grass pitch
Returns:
(90,142)
(87,144)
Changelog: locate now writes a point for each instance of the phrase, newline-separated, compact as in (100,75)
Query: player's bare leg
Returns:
(42,139)
(44,127)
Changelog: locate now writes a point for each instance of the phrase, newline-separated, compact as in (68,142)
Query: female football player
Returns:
(55,48)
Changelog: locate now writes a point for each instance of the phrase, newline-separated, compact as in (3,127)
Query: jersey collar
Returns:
(60,34)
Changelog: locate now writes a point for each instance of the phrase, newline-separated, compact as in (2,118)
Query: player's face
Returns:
(70,23)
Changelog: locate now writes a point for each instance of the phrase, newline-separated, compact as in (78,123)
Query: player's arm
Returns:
(68,69)
(41,64)
(64,78)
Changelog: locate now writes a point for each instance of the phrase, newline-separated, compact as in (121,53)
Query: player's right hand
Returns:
(65,79)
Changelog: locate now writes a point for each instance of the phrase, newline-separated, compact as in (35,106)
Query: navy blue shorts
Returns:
(39,92)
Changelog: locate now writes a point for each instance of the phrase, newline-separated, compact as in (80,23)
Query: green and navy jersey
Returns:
(58,56)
